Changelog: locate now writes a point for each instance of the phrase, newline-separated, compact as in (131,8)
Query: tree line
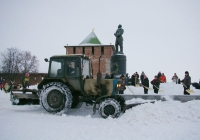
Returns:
(15,61)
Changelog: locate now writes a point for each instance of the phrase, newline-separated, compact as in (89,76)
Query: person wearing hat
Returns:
(121,83)
(186,83)
(25,81)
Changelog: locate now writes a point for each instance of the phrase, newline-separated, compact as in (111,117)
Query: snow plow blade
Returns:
(25,96)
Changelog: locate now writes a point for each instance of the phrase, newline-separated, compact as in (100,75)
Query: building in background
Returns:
(92,47)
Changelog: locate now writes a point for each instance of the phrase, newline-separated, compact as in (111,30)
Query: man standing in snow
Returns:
(119,38)
(156,83)
(186,83)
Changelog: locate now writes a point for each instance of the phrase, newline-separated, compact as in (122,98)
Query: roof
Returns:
(91,39)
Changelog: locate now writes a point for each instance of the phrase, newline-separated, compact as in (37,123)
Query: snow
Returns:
(159,121)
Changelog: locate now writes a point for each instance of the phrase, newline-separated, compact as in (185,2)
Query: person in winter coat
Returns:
(121,83)
(126,79)
(107,76)
(163,78)
(133,79)
(142,77)
(186,83)
(25,81)
(159,74)
(156,83)
(145,84)
(6,87)
(175,78)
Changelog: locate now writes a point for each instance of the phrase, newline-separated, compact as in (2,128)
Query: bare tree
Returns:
(10,60)
(15,61)
(29,63)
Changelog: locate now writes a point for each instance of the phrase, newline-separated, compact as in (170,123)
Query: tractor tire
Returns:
(109,107)
(56,97)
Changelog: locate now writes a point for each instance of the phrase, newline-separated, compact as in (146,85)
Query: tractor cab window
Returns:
(72,68)
(57,69)
(85,68)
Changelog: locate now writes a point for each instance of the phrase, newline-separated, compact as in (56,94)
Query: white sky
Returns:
(159,35)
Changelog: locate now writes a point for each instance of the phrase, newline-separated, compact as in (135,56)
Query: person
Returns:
(112,76)
(6,87)
(137,79)
(163,78)
(186,83)
(145,84)
(175,78)
(156,83)
(159,74)
(133,79)
(25,81)
(107,76)
(142,77)
(196,85)
(119,38)
(122,87)
(126,79)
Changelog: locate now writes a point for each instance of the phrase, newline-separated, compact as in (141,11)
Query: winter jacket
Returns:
(155,83)
(107,77)
(159,74)
(142,78)
(25,82)
(146,82)
(163,79)
(187,80)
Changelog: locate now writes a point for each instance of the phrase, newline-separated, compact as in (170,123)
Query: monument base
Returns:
(118,64)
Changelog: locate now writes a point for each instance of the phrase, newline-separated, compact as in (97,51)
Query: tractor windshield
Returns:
(57,69)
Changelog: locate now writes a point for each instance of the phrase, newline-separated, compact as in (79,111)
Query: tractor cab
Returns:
(68,69)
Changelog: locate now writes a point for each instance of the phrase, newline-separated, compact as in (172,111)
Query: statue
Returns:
(119,38)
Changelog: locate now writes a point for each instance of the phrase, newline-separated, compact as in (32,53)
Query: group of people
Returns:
(159,78)
(6,87)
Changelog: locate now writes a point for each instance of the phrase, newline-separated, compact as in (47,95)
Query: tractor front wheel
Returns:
(56,97)
(109,107)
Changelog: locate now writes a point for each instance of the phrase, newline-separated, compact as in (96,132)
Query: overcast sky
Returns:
(159,35)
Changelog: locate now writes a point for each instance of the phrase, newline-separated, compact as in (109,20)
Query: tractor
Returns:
(69,85)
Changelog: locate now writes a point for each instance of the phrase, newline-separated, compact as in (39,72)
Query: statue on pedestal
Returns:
(119,39)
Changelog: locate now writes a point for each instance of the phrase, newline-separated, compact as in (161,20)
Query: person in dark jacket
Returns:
(107,76)
(145,84)
(112,76)
(186,83)
(142,77)
(156,83)
(159,74)
(133,79)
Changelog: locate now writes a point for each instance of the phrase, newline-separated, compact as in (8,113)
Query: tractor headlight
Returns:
(118,85)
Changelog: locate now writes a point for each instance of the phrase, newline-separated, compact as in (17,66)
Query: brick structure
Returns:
(92,47)
(34,78)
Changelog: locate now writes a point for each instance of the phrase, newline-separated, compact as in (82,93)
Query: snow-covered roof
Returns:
(91,39)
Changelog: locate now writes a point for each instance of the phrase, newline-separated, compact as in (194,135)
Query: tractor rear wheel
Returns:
(56,97)
(109,107)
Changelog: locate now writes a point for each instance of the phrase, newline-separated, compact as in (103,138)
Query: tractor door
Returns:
(73,72)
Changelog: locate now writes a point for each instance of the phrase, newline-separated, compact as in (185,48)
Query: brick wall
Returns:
(34,78)
(94,52)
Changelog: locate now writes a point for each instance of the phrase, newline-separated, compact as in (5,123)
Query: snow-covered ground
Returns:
(169,120)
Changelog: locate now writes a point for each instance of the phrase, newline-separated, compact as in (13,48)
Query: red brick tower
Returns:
(92,47)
